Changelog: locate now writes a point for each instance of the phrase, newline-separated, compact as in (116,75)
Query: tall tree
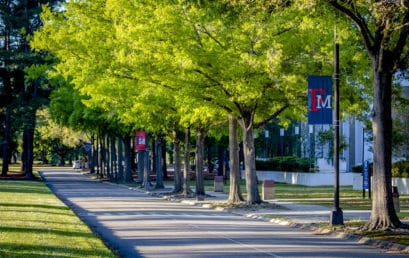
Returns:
(235,195)
(25,88)
(237,63)
(384,28)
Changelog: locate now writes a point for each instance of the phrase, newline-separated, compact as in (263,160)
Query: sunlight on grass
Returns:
(34,223)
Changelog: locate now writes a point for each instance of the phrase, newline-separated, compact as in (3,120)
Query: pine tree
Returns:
(24,90)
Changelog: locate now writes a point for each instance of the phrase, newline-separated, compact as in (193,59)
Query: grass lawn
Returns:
(35,223)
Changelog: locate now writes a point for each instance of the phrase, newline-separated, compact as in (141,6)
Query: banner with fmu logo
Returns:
(140,140)
(319,99)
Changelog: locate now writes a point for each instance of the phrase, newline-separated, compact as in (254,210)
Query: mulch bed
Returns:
(17,176)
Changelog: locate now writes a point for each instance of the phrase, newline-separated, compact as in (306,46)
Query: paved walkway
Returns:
(139,224)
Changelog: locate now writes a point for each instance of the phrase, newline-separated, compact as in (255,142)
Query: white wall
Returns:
(401,183)
(308,179)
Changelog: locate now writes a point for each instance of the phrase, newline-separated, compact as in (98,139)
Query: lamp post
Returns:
(336,213)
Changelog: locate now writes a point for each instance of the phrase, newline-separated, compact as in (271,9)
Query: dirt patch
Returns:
(264,206)
(238,207)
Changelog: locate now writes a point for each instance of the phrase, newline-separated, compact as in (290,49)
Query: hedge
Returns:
(288,164)
(399,169)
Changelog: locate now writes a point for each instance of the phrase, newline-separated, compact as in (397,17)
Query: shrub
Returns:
(357,169)
(400,169)
(304,165)
(288,163)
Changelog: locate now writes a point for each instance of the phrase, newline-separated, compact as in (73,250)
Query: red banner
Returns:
(140,140)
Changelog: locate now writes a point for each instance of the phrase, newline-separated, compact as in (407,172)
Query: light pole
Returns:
(337,217)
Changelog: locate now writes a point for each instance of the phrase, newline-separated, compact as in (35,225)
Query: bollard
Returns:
(395,196)
(218,184)
(268,190)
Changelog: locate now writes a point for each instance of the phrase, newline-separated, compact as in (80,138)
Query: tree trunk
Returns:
(177,174)
(100,170)
(6,142)
(235,195)
(107,157)
(163,159)
(253,196)
(23,155)
(141,164)
(210,166)
(147,169)
(221,156)
(7,91)
(128,168)
(159,170)
(383,213)
(200,135)
(154,160)
(114,167)
(28,163)
(133,156)
(186,165)
(91,159)
(120,177)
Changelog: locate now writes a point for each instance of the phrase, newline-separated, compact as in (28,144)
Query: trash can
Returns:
(268,190)
(395,195)
(218,184)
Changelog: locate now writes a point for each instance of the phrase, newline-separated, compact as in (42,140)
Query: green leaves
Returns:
(150,62)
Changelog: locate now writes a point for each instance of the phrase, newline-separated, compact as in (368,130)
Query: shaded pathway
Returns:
(139,225)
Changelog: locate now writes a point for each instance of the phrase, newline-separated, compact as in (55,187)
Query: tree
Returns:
(383,26)
(25,86)
(235,195)
(237,60)
(62,139)
(157,58)
(140,78)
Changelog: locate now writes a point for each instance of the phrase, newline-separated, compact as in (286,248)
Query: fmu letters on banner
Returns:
(319,99)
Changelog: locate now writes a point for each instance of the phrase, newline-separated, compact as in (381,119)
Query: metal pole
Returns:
(336,213)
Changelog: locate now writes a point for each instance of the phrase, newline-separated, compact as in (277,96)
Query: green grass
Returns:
(35,223)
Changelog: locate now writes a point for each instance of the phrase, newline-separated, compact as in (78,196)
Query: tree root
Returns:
(385,226)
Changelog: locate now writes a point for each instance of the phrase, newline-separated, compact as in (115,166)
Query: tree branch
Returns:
(272,116)
(207,32)
(213,81)
(368,38)
(195,30)
(403,36)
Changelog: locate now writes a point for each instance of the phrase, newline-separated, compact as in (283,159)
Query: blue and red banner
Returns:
(319,99)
